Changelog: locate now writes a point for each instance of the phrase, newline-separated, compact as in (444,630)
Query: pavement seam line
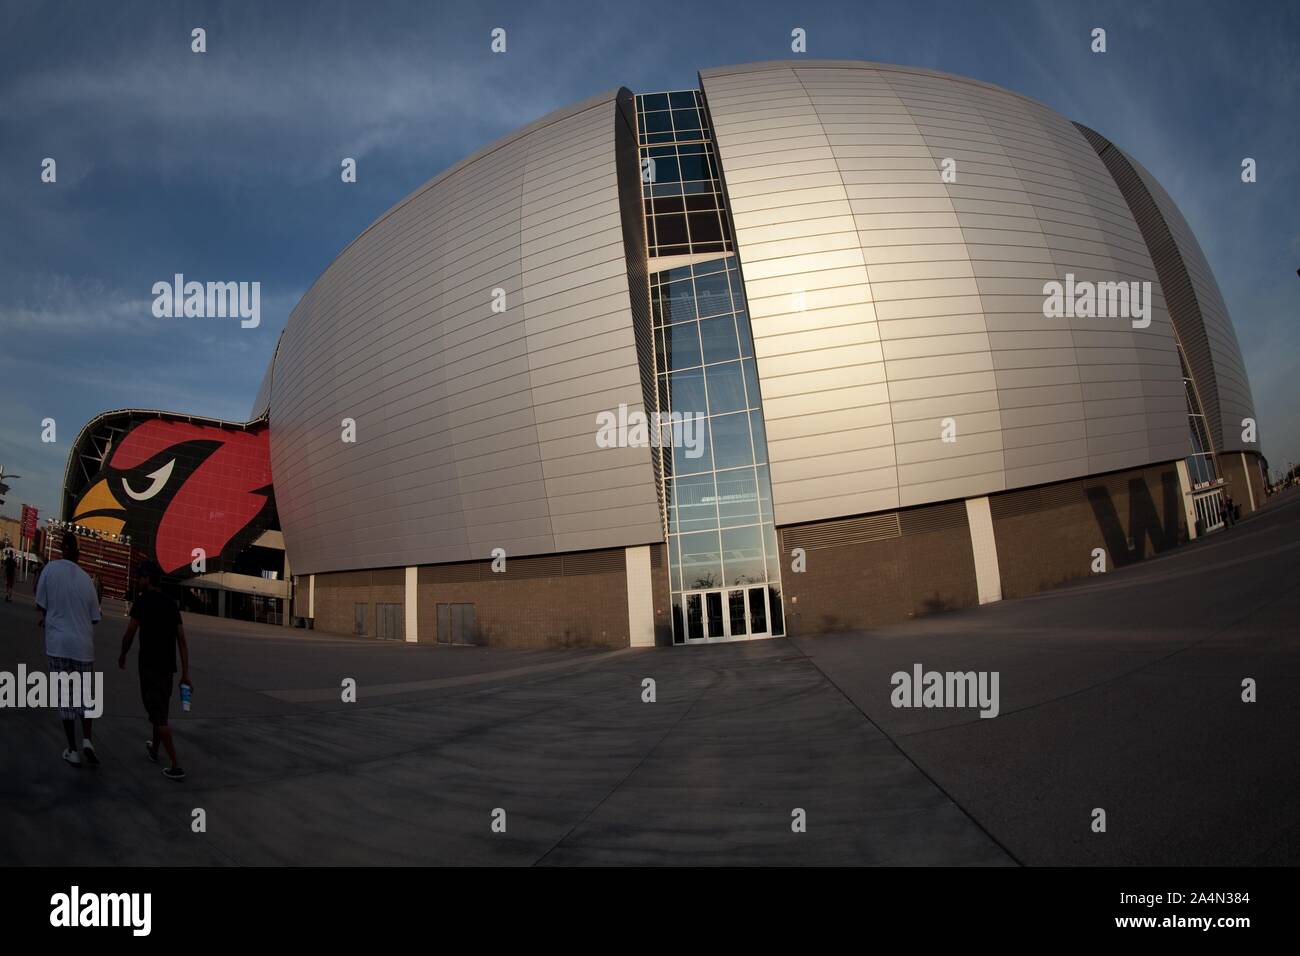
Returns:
(908,757)
(639,764)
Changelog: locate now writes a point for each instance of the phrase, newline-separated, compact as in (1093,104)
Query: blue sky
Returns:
(225,166)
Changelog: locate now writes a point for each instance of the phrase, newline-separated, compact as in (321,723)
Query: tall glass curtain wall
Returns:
(724,565)
(1200,463)
(683,193)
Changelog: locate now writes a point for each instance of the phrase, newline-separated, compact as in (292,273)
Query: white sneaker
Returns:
(72,757)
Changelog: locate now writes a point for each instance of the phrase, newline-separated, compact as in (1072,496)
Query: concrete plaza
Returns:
(1122,692)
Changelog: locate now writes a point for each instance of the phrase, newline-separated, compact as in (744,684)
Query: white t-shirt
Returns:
(71,610)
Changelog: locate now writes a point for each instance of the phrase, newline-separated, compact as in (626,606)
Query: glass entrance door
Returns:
(1209,511)
(694,618)
(735,614)
(715,625)
(705,620)
(756,601)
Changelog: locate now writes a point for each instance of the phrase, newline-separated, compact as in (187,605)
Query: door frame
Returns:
(725,614)
(1208,507)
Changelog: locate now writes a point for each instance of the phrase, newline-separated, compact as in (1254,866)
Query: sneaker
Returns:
(72,757)
(174,773)
(151,751)
(88,751)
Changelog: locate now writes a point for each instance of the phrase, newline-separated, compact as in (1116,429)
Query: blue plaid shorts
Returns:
(65,665)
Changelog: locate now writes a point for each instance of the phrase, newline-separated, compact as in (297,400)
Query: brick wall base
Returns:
(878,569)
(567,600)
(1046,535)
(338,594)
(859,572)
(883,568)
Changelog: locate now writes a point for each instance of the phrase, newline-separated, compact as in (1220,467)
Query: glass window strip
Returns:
(739,493)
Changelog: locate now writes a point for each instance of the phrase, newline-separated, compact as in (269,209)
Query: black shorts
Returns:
(156,692)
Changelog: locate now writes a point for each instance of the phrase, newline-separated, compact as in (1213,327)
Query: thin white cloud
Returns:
(300,108)
(62,303)
(55,303)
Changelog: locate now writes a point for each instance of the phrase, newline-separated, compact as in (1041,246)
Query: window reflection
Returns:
(701,556)
(742,555)
(718,336)
(737,491)
(682,345)
(694,502)
(726,386)
(686,392)
(731,447)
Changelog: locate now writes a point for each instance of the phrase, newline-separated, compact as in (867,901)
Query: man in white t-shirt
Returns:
(65,597)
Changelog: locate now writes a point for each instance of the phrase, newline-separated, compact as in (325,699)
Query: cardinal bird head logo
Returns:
(175,486)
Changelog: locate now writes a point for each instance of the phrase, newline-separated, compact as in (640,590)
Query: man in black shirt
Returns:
(10,567)
(157,619)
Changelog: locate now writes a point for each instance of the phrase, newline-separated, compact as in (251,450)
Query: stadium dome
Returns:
(906,342)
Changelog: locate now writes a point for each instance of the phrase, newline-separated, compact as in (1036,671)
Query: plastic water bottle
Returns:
(185,697)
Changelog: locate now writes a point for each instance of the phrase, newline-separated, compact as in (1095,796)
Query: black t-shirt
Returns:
(10,564)
(158,619)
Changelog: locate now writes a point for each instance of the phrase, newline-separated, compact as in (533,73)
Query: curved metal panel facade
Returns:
(1230,399)
(884,300)
(262,403)
(475,428)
